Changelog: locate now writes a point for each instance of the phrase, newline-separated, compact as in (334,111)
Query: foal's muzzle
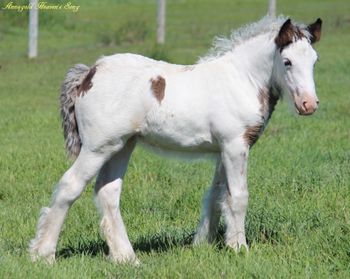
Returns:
(306,104)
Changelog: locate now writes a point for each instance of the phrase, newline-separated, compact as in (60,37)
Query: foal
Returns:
(220,106)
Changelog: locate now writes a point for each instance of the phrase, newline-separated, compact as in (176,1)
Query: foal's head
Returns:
(294,63)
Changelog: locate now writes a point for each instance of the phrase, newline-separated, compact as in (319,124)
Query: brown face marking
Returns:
(158,88)
(86,84)
(287,34)
(268,101)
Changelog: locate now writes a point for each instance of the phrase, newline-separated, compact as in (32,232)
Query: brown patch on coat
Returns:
(288,34)
(86,85)
(252,133)
(268,101)
(158,88)
(263,100)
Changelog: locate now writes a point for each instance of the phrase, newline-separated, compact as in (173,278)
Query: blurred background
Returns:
(109,26)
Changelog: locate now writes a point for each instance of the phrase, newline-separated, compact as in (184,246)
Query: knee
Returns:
(235,199)
(239,194)
(240,197)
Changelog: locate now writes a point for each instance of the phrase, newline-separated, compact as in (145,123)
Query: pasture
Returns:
(298,223)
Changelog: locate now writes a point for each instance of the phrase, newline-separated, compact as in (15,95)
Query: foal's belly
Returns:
(180,143)
(178,133)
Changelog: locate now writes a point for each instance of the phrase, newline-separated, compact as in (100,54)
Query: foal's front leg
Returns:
(235,196)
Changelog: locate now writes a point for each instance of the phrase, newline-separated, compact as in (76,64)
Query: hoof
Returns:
(36,257)
(39,253)
(238,247)
(237,242)
(125,259)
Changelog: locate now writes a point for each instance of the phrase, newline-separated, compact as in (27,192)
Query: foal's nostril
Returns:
(305,105)
(317,102)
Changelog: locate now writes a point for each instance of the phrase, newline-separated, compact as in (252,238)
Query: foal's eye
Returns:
(287,63)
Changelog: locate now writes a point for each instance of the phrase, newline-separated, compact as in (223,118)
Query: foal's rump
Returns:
(115,105)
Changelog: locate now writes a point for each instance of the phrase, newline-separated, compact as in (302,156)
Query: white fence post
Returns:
(33,29)
(161,22)
(272,8)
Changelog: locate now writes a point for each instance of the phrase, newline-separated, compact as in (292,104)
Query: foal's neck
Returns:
(254,59)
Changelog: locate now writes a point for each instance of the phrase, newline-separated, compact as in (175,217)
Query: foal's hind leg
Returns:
(107,194)
(211,212)
(67,191)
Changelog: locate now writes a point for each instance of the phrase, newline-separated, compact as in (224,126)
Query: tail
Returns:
(69,91)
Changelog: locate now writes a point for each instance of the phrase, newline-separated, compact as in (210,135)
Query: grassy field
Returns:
(298,223)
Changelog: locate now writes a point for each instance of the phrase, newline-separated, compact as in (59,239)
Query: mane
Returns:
(222,45)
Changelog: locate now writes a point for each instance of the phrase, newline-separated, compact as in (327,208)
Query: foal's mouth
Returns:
(304,112)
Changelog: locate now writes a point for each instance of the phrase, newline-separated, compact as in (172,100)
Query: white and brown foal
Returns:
(218,106)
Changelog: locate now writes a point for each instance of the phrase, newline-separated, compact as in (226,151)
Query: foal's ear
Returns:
(315,30)
(285,35)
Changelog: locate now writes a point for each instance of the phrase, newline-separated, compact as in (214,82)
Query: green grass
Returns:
(298,222)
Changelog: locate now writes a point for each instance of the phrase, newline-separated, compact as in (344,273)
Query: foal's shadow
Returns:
(90,248)
(163,242)
(159,243)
